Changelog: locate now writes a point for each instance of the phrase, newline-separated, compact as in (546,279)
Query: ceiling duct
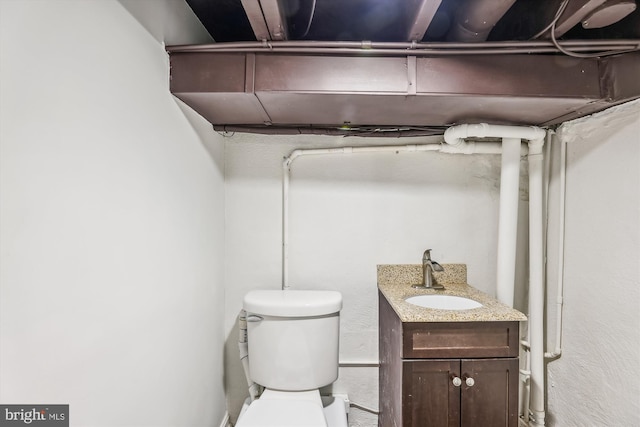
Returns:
(364,93)
(267,19)
(476,18)
(422,18)
(609,13)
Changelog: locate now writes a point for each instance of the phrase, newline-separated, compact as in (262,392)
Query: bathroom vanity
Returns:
(441,367)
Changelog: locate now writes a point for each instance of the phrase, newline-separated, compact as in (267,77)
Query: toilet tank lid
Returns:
(293,303)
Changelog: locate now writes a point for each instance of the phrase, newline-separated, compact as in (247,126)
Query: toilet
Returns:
(293,351)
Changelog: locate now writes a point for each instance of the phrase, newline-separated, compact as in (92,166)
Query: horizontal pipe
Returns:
(375,132)
(402,47)
(467,148)
(422,52)
(456,135)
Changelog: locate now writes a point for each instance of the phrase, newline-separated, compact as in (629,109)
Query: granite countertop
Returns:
(394,281)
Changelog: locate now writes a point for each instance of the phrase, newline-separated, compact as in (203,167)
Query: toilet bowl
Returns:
(285,409)
(293,351)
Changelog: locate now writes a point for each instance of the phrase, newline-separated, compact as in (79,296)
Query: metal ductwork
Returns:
(406,67)
(476,18)
(257,90)
(267,19)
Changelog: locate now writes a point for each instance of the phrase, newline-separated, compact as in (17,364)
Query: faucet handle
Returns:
(426,256)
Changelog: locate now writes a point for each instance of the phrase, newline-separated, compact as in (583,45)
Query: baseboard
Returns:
(225,420)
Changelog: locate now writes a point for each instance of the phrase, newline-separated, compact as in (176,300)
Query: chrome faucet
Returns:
(428,267)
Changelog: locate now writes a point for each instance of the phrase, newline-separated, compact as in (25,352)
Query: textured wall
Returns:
(593,383)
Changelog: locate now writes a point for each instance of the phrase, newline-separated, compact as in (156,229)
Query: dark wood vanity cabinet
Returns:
(449,374)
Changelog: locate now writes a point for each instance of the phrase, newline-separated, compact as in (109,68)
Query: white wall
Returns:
(111,222)
(171,22)
(348,214)
(594,382)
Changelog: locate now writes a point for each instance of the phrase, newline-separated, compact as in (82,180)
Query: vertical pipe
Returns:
(243,348)
(508,219)
(560,284)
(536,281)
(286,171)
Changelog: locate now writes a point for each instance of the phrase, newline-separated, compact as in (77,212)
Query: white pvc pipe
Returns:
(526,392)
(507,235)
(509,191)
(536,281)
(286,171)
(560,285)
(243,348)
(454,144)
(456,135)
(508,220)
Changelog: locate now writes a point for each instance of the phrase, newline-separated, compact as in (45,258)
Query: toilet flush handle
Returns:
(254,318)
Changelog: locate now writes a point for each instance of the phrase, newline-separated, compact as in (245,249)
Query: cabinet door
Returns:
(429,397)
(490,398)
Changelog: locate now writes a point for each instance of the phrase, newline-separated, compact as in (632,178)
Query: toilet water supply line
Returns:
(243,346)
(511,149)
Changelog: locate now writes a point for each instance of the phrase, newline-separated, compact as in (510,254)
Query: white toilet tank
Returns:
(293,338)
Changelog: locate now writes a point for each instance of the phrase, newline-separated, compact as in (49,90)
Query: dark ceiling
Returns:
(410,67)
(388,20)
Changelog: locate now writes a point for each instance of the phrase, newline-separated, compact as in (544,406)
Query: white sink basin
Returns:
(443,302)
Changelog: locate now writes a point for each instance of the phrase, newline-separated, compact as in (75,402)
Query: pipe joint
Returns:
(455,135)
(535,147)
(537,418)
(289,160)
(460,147)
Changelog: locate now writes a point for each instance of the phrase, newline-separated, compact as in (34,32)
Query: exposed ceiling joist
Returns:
(425,11)
(267,19)
(405,20)
(407,66)
(476,18)
(275,18)
(256,19)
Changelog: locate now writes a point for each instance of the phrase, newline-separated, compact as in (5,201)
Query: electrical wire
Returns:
(313,11)
(364,408)
(585,55)
(552,28)
(553,22)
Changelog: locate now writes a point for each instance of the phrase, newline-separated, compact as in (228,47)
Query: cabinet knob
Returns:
(469,381)
(456,381)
